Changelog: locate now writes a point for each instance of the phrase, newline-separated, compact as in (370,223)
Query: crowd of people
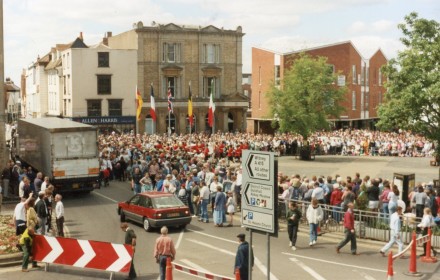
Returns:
(204,171)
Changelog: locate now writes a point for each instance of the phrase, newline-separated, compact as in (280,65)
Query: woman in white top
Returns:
(393,197)
(426,223)
(314,216)
(230,204)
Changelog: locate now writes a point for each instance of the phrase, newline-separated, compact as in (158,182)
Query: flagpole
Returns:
(154,121)
(169,110)
(137,121)
(189,117)
(213,113)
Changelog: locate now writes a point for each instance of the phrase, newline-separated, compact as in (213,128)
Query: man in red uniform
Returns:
(350,234)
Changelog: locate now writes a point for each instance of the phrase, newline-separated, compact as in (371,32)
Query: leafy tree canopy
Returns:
(307,97)
(412,100)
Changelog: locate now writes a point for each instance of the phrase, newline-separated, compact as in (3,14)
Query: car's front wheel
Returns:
(147,225)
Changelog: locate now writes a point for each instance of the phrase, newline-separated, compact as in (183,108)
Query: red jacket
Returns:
(349,220)
(336,197)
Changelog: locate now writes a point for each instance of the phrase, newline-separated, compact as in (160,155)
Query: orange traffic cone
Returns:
(169,270)
(428,258)
(390,273)
(412,271)
(237,274)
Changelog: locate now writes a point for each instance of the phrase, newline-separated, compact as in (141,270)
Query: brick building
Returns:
(171,56)
(363,78)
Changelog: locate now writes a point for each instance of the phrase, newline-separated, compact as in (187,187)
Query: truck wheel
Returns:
(122,217)
(147,225)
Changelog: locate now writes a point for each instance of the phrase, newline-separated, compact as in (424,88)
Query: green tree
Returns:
(412,101)
(308,96)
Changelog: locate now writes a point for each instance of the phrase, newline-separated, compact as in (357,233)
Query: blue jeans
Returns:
(336,213)
(162,267)
(204,214)
(137,188)
(313,232)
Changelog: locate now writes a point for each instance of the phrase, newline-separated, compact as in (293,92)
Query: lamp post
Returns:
(3,153)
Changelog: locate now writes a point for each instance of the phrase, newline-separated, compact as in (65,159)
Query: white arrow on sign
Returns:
(123,258)
(57,250)
(258,166)
(88,255)
(259,195)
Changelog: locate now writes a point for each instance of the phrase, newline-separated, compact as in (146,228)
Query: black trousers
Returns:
(292,230)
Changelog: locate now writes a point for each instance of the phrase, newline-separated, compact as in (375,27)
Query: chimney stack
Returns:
(81,36)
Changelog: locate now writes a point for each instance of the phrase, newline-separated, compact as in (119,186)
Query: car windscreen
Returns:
(166,202)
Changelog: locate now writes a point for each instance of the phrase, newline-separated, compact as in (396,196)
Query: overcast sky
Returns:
(32,27)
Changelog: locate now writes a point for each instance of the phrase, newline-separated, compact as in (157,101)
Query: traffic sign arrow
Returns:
(83,253)
(258,166)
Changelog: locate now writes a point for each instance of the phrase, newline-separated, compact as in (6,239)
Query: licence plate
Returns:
(75,186)
(170,215)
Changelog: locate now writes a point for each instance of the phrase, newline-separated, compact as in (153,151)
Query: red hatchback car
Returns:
(154,210)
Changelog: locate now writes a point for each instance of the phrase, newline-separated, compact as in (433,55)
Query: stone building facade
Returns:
(176,58)
(362,77)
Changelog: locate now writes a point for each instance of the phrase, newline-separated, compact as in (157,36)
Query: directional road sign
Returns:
(258,166)
(260,191)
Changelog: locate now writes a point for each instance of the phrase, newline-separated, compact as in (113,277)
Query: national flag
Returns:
(153,105)
(139,103)
(211,109)
(170,102)
(190,107)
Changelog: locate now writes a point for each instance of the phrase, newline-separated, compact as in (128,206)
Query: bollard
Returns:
(413,259)
(169,270)
(237,273)
(428,258)
(390,273)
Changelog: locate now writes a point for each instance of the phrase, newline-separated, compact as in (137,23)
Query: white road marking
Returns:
(180,238)
(341,264)
(313,273)
(101,195)
(363,274)
(195,266)
(257,262)
(212,236)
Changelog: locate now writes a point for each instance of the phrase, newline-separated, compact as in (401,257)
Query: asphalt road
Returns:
(206,248)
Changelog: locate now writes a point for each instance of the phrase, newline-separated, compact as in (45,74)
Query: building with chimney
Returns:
(363,78)
(91,84)
(172,57)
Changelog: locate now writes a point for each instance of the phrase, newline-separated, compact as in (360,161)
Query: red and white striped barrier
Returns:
(204,275)
(83,253)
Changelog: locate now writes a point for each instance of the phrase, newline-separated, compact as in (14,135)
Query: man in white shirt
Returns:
(59,214)
(395,226)
(318,193)
(204,200)
(19,217)
(45,183)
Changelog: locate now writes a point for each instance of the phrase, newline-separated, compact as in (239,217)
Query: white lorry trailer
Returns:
(64,150)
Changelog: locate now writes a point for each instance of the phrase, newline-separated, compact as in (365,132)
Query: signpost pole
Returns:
(268,256)
(250,255)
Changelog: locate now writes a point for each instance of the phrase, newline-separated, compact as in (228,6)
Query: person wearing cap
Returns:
(242,257)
